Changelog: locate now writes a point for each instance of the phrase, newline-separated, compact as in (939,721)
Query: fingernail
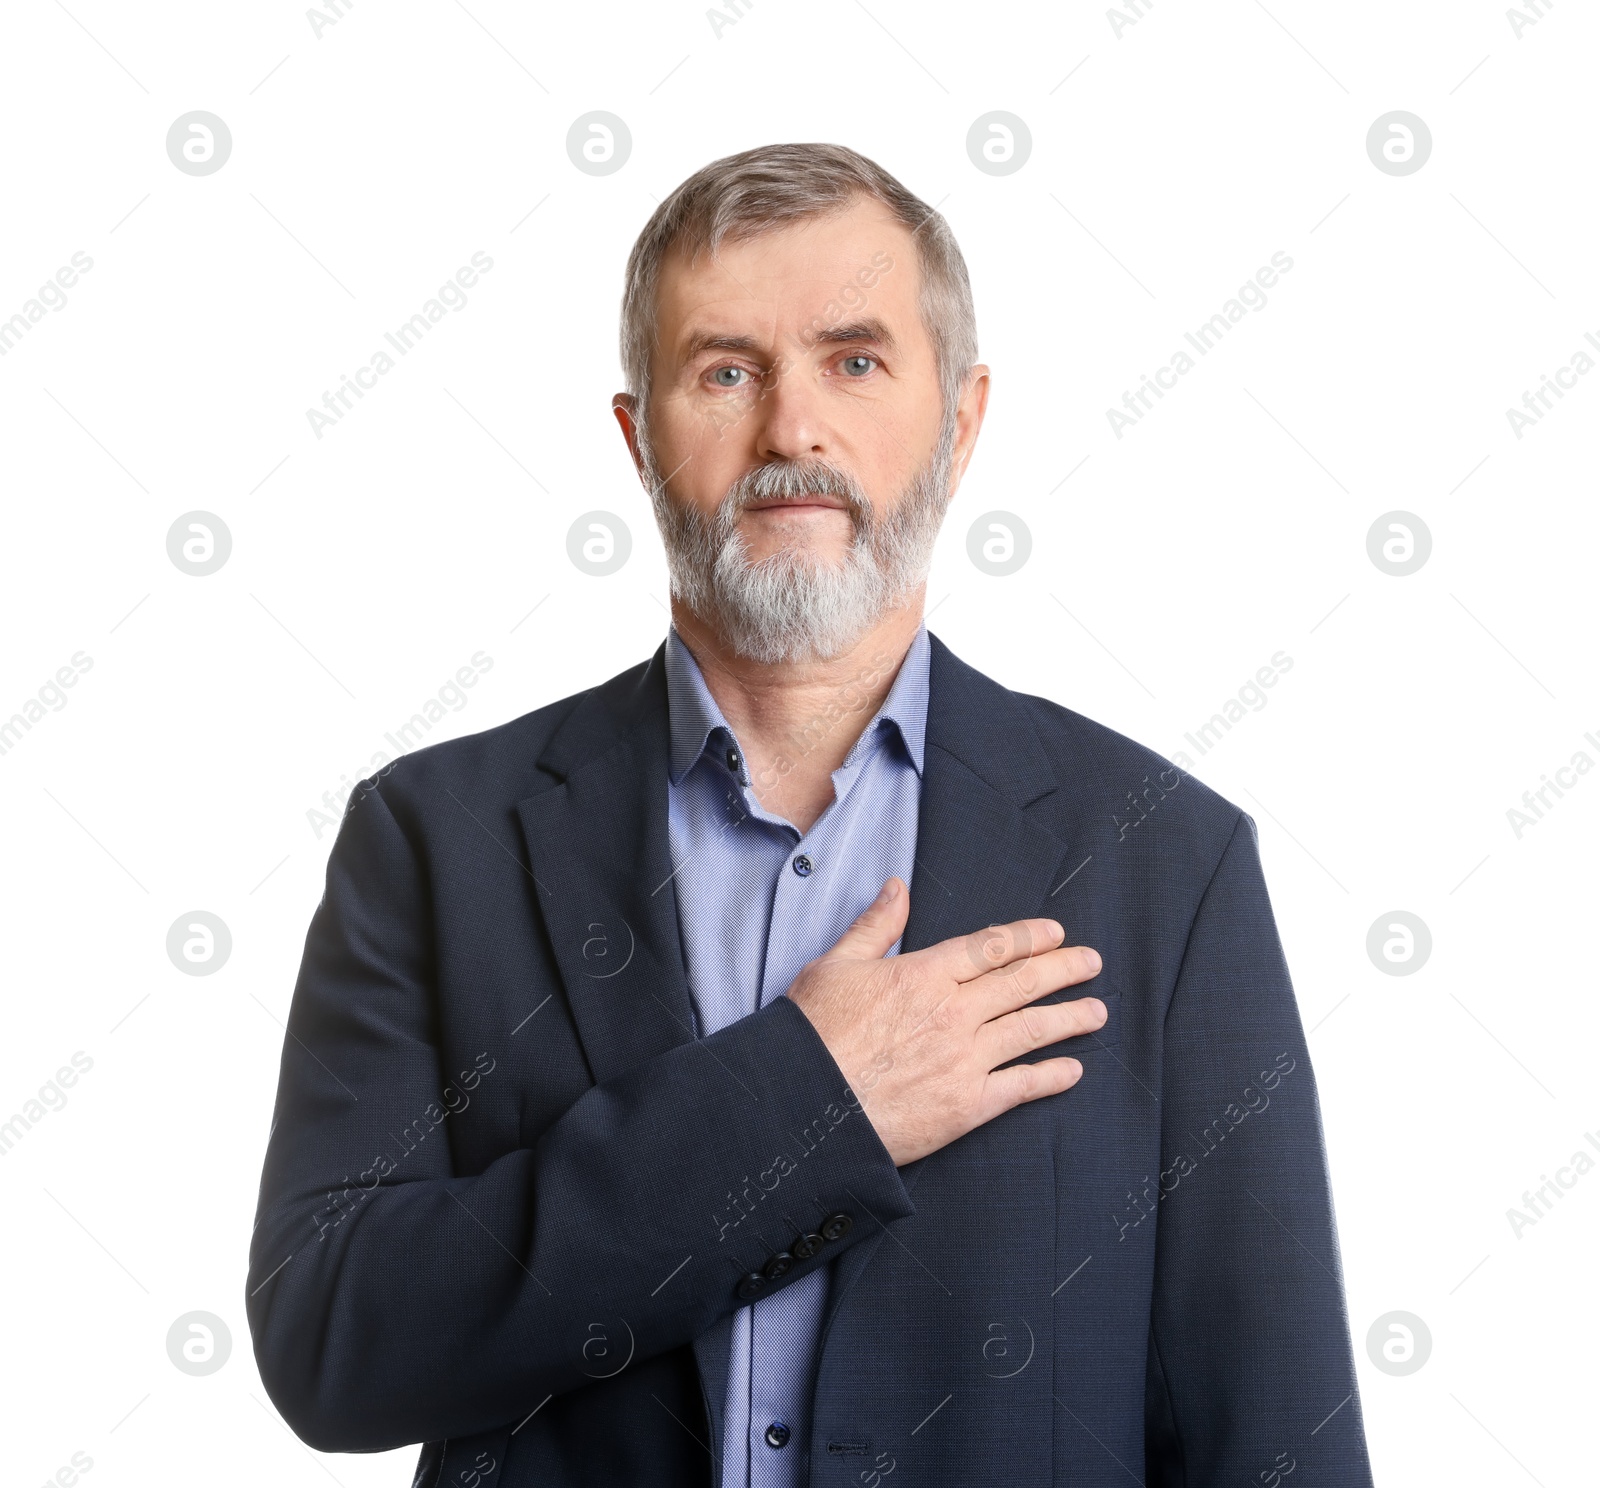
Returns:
(1057,928)
(1093,957)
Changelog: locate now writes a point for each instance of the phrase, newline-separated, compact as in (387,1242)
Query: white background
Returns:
(370,163)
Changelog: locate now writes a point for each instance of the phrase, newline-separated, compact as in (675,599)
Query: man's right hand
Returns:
(918,1035)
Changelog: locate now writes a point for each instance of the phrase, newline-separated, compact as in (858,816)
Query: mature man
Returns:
(638,1124)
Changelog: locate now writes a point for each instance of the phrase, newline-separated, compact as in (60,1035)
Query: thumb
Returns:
(877,927)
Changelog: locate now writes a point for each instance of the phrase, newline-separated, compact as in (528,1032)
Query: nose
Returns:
(791,424)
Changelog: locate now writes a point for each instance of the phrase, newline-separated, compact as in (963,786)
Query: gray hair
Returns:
(742,196)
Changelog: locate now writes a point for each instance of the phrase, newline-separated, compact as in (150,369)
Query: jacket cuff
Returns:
(827,1175)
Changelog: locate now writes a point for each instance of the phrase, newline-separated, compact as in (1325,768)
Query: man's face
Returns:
(796,445)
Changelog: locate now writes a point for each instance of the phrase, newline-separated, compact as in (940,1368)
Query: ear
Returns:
(622,406)
(969,420)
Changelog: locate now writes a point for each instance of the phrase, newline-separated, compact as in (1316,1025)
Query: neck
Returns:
(796,721)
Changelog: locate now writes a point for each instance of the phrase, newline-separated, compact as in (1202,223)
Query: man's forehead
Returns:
(821,273)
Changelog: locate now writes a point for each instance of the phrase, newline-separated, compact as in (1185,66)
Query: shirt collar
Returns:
(695,716)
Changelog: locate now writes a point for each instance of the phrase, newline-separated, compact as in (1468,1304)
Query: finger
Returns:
(964,957)
(1013,986)
(1031,1028)
(876,928)
(1019,1083)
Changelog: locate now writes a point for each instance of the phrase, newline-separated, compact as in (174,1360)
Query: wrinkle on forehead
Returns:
(777,280)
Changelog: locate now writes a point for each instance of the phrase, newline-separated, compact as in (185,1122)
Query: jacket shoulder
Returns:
(1122,786)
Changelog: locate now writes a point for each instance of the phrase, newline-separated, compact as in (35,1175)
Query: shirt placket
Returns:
(775,1337)
(785,1326)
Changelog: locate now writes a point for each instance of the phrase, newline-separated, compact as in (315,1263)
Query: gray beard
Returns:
(792,606)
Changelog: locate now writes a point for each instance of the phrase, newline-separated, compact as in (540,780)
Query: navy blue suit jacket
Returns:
(509,1199)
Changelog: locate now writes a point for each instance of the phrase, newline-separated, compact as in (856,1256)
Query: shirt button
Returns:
(777,1434)
(803,865)
(733,760)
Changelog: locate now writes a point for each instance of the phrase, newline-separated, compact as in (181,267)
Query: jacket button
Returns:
(806,1247)
(836,1226)
(752,1285)
(778,1265)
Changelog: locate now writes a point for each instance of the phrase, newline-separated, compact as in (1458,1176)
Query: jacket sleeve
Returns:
(398,1302)
(1249,1376)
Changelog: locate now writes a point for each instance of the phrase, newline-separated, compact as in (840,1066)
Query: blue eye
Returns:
(723,375)
(858,366)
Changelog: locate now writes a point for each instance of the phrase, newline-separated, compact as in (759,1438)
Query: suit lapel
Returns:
(981,860)
(598,846)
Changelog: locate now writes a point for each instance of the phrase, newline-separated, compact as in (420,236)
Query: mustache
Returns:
(795,479)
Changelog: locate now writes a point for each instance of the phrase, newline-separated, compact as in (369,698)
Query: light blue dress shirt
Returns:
(757,899)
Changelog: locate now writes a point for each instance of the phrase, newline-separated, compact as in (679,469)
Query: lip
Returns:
(810,503)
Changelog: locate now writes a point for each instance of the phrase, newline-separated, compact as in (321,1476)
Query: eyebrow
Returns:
(869,329)
(713,341)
